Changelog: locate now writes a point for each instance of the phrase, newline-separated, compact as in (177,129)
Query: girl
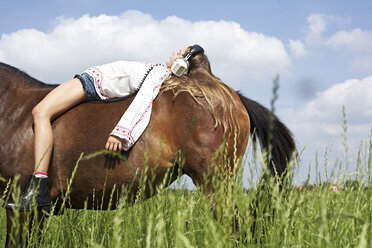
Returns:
(117,79)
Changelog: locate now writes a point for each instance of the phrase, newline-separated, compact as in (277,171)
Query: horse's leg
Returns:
(207,179)
(39,222)
(8,227)
(13,232)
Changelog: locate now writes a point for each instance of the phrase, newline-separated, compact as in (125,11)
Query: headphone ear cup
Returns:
(180,67)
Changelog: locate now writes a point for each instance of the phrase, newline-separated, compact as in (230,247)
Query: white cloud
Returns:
(297,48)
(74,44)
(318,123)
(320,119)
(317,25)
(354,94)
(355,44)
(2,56)
(354,40)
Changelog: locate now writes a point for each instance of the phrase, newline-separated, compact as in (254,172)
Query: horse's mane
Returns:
(21,75)
(203,85)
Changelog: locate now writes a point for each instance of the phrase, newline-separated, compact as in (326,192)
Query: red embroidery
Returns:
(125,135)
(98,78)
(148,64)
(122,127)
(123,132)
(150,104)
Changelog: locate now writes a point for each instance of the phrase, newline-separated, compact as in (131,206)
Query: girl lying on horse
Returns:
(100,83)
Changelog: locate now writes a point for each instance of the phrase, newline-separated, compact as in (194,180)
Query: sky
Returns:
(321,50)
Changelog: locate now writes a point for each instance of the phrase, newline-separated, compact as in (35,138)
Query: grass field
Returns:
(305,218)
(308,217)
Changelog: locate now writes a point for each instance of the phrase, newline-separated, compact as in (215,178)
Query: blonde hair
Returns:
(202,84)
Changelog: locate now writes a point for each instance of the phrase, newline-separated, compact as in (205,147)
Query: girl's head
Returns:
(196,59)
(176,55)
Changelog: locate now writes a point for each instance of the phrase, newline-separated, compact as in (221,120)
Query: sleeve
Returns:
(137,116)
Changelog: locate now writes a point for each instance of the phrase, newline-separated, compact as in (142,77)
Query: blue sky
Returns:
(322,51)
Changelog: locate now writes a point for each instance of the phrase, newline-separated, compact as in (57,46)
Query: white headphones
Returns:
(181,66)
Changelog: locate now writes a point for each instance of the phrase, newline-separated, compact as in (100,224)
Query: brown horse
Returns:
(181,125)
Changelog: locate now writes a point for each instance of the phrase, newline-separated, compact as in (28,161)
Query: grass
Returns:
(308,217)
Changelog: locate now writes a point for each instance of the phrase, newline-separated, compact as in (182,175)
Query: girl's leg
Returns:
(56,102)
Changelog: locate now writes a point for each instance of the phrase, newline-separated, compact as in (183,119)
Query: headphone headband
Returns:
(195,49)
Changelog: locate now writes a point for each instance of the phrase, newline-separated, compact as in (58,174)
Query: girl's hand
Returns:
(114,143)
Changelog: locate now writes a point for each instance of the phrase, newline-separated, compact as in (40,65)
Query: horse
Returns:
(181,125)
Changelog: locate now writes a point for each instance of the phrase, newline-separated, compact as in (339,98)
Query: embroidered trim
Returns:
(150,104)
(97,75)
(123,133)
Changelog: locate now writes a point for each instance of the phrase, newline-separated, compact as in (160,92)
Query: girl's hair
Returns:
(202,84)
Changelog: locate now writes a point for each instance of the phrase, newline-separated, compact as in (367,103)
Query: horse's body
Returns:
(176,125)
(179,126)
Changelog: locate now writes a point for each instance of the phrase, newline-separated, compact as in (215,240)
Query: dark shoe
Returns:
(36,188)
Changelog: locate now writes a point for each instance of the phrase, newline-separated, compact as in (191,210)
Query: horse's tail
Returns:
(281,139)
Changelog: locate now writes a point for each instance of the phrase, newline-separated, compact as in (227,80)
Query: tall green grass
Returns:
(309,217)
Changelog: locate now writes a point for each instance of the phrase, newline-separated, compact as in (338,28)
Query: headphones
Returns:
(181,66)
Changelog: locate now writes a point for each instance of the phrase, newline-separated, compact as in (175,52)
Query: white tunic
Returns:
(124,78)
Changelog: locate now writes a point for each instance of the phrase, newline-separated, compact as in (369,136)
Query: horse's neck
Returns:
(18,90)
(15,81)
